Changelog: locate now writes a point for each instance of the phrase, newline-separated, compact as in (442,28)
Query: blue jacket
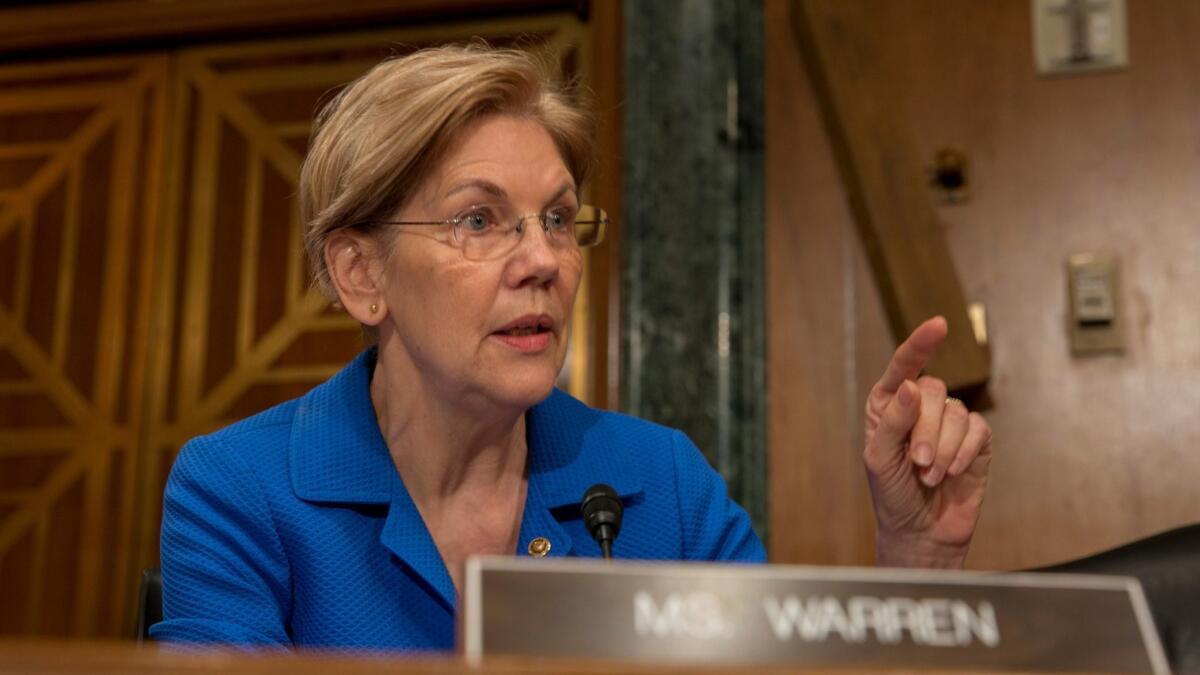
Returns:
(294,527)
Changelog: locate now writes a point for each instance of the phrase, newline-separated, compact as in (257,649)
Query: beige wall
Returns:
(1090,452)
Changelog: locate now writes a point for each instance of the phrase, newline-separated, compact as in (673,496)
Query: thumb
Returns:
(895,425)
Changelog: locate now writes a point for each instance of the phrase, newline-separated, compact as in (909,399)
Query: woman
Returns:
(441,201)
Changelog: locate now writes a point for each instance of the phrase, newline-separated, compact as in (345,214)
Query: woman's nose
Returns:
(535,260)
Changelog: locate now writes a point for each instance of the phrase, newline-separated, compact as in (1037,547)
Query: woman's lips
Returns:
(528,334)
(530,343)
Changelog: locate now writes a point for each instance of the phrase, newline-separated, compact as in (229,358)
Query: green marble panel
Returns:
(693,349)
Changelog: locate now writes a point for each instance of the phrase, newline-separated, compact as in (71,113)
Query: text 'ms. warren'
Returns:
(933,622)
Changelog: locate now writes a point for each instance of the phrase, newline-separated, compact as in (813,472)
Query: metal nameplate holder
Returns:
(811,616)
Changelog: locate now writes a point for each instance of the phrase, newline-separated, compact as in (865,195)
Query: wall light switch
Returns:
(1079,35)
(1095,319)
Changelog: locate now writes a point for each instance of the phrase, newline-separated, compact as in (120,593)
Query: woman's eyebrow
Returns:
(477,184)
(562,190)
(499,192)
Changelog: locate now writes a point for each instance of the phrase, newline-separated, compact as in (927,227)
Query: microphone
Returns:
(602,514)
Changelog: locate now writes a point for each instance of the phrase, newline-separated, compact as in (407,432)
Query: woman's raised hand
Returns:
(927,460)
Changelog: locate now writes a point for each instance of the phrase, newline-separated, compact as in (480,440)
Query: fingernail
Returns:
(931,476)
(923,454)
(906,395)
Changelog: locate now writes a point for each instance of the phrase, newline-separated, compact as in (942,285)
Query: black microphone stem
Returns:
(601,510)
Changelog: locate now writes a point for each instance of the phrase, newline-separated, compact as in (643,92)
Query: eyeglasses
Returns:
(490,231)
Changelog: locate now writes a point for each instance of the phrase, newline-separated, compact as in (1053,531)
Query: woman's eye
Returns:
(559,218)
(475,221)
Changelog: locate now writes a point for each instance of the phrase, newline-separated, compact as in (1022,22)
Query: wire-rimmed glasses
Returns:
(490,231)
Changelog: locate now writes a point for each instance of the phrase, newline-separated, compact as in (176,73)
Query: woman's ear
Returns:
(357,276)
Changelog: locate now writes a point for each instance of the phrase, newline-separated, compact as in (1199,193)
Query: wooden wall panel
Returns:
(153,285)
(75,224)
(1090,452)
(32,27)
(238,328)
(884,181)
(826,327)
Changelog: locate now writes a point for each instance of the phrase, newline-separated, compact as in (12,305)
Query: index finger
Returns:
(912,355)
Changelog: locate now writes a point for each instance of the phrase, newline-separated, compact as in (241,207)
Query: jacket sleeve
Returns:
(714,526)
(224,571)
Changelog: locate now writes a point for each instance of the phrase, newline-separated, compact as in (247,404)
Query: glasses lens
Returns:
(589,225)
(484,231)
(491,231)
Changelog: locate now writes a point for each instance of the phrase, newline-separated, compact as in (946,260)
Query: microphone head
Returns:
(602,511)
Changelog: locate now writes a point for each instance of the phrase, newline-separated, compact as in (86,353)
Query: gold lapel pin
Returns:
(539,547)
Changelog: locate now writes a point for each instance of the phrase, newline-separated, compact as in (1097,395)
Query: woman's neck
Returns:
(442,448)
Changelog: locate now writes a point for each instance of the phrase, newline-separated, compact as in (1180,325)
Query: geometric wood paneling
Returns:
(237,328)
(153,287)
(77,221)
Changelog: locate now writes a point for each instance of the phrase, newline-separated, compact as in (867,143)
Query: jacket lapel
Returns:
(407,537)
(570,449)
(338,456)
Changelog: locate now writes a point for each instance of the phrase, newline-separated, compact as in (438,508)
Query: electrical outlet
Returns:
(1093,294)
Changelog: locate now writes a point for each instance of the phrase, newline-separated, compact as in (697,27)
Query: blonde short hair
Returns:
(377,140)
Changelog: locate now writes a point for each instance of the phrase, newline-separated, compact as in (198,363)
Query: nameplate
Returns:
(812,616)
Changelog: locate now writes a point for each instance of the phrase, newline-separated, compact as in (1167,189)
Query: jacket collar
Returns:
(338,454)
(571,448)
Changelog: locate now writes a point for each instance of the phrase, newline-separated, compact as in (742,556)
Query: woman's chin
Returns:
(523,390)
